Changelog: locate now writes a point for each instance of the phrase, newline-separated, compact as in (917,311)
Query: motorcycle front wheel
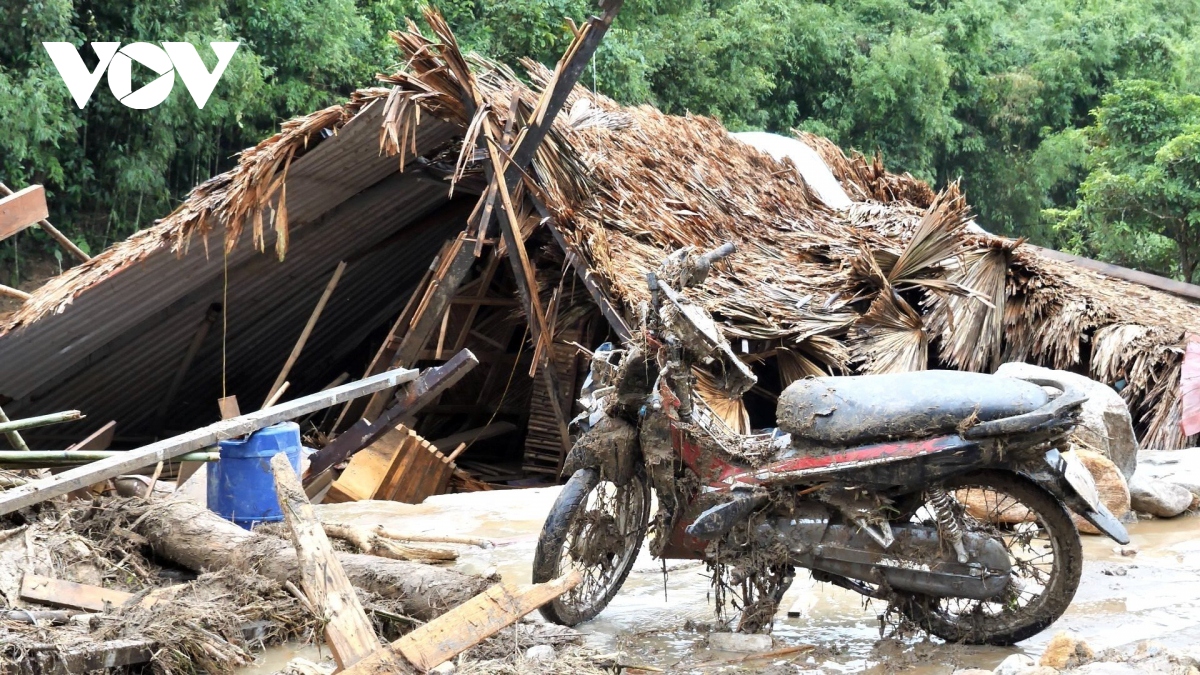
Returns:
(597,528)
(1043,547)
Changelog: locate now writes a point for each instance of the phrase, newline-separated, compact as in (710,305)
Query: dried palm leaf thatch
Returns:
(971,328)
(865,181)
(890,337)
(731,409)
(795,366)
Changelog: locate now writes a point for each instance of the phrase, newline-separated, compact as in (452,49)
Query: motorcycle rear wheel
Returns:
(1033,526)
(597,528)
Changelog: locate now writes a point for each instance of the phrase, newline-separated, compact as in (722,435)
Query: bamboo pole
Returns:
(7,425)
(308,329)
(53,232)
(57,457)
(11,292)
(13,437)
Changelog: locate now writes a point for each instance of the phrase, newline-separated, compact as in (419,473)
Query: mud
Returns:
(663,623)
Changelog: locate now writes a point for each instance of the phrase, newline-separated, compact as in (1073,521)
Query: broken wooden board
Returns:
(400,466)
(348,631)
(467,625)
(368,469)
(38,491)
(22,209)
(59,593)
(98,440)
(415,396)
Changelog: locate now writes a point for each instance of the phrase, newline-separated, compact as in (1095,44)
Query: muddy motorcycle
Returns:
(945,494)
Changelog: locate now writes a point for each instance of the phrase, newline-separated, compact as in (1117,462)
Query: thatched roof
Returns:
(895,281)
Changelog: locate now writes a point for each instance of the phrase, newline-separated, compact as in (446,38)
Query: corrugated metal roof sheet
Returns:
(113,352)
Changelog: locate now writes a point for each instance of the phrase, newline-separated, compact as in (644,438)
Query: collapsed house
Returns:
(398,184)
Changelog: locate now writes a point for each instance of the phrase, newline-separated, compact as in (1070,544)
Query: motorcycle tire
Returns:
(1011,624)
(561,538)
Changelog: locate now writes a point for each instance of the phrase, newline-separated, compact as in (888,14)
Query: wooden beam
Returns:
(99,439)
(10,292)
(348,631)
(308,329)
(415,396)
(467,625)
(428,315)
(472,435)
(21,209)
(1179,288)
(39,491)
(52,231)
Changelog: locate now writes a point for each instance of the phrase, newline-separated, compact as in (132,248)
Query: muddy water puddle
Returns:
(1121,600)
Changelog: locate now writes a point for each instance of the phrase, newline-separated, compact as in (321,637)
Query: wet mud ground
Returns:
(1121,600)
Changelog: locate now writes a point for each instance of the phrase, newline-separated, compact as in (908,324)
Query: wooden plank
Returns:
(415,396)
(368,469)
(308,329)
(472,435)
(53,232)
(348,631)
(94,657)
(59,593)
(391,482)
(229,407)
(467,625)
(21,209)
(39,491)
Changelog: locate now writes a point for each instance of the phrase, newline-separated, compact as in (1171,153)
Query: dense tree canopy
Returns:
(1072,122)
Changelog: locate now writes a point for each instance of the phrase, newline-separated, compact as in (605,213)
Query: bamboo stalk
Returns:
(56,457)
(13,437)
(14,293)
(7,425)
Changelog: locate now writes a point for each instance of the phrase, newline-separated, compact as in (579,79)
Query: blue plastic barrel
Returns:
(241,486)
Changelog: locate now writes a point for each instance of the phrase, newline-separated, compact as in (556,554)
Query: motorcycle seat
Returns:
(846,411)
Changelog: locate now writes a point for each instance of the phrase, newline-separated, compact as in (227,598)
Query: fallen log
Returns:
(200,540)
(370,541)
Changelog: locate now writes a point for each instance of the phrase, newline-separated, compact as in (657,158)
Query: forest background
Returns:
(1075,123)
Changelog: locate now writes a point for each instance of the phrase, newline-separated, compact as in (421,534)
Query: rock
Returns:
(1158,498)
(740,642)
(540,654)
(1065,651)
(1040,670)
(972,671)
(1105,423)
(1110,482)
(1127,550)
(448,668)
(1015,664)
(1107,668)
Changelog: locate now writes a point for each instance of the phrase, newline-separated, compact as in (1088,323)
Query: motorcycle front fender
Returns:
(610,447)
(1070,482)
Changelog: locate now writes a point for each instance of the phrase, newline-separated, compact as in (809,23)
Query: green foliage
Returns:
(1141,197)
(997,93)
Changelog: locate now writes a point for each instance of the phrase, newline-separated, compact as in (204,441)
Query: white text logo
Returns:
(171,58)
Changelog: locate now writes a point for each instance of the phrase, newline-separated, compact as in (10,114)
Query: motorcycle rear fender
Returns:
(610,447)
(1051,475)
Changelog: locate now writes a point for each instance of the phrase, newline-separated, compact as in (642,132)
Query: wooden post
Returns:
(9,291)
(50,229)
(308,329)
(39,491)
(19,210)
(348,631)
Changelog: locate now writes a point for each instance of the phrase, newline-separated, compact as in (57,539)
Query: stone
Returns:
(740,642)
(444,668)
(1065,650)
(543,654)
(1108,668)
(1040,670)
(972,671)
(1105,424)
(1110,483)
(1159,498)
(1015,664)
